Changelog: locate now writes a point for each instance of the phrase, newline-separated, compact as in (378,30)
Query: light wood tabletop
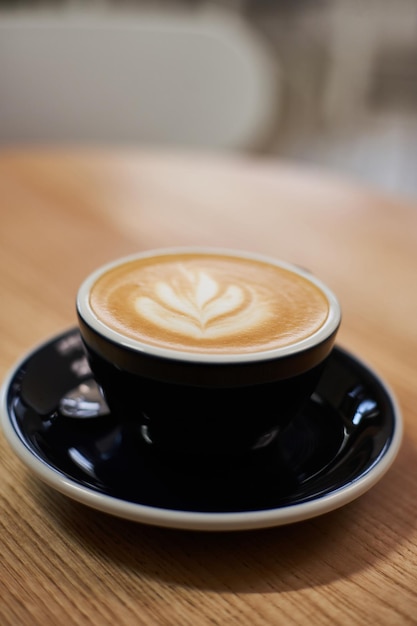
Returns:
(65,212)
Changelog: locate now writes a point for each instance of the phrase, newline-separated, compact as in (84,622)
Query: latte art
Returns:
(211,303)
(196,305)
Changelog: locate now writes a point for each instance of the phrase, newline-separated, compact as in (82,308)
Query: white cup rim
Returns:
(88,316)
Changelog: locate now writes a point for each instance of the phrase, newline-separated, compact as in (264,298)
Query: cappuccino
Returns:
(209,303)
(175,338)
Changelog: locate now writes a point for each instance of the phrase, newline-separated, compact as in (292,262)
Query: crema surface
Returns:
(208,303)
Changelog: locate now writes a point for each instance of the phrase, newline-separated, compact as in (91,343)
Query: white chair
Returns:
(177,78)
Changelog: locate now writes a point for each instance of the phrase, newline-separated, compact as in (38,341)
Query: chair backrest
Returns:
(194,79)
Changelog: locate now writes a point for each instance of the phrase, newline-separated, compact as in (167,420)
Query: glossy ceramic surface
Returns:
(337,448)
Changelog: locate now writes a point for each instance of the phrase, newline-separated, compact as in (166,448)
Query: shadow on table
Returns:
(302,555)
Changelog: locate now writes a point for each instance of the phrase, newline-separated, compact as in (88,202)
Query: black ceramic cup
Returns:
(206,352)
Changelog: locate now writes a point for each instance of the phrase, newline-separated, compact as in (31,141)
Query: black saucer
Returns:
(341,444)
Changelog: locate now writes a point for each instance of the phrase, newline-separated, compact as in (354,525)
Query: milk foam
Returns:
(198,306)
(208,303)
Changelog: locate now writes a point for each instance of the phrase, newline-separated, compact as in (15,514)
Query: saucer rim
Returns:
(194,520)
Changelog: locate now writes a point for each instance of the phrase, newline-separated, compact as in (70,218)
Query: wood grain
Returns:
(63,212)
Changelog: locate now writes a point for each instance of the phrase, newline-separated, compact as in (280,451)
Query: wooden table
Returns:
(65,212)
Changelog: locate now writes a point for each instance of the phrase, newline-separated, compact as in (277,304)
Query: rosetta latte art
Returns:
(196,305)
(208,303)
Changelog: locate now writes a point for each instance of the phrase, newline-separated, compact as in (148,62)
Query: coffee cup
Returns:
(206,352)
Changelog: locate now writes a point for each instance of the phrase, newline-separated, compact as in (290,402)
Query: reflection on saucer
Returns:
(337,448)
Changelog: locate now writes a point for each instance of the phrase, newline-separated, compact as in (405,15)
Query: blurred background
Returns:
(331,83)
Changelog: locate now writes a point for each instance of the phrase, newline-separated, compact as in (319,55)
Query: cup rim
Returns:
(88,316)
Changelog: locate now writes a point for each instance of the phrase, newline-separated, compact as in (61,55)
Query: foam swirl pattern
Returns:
(208,303)
(197,306)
